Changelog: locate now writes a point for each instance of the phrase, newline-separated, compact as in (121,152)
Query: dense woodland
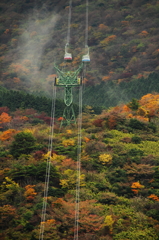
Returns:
(119,173)
(119,192)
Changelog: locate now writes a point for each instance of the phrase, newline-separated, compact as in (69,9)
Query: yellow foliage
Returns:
(58,158)
(88,109)
(30,130)
(53,157)
(69,131)
(70,179)
(105,158)
(150,101)
(142,111)
(68,142)
(9,184)
(108,222)
(50,222)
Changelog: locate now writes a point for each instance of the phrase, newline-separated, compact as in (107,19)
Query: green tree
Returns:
(24,143)
(134,104)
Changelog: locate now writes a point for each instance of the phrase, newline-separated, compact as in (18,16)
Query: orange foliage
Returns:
(4,118)
(105,78)
(7,31)
(111,38)
(85,80)
(90,221)
(19,68)
(124,23)
(154,197)
(140,75)
(16,79)
(24,118)
(120,80)
(68,163)
(30,192)
(135,191)
(102,26)
(125,108)
(86,139)
(150,102)
(143,34)
(136,186)
(106,41)
(6,135)
(60,119)
(76,60)
(51,77)
(67,7)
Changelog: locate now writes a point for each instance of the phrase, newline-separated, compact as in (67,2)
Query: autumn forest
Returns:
(119,178)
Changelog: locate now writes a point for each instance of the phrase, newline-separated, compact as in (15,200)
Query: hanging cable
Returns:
(68,56)
(77,200)
(86,57)
(69,22)
(48,165)
(86,30)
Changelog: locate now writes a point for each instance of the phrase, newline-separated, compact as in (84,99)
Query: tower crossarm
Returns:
(69,78)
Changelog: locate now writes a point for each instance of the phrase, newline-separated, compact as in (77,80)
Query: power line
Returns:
(48,166)
(77,200)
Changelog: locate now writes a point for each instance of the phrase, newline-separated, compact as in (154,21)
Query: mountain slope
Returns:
(123,40)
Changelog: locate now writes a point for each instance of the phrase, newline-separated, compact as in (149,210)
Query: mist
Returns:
(30,63)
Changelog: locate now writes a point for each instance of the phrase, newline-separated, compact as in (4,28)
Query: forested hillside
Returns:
(119,196)
(119,174)
(123,38)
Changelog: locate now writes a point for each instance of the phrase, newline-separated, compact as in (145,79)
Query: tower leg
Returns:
(68,116)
